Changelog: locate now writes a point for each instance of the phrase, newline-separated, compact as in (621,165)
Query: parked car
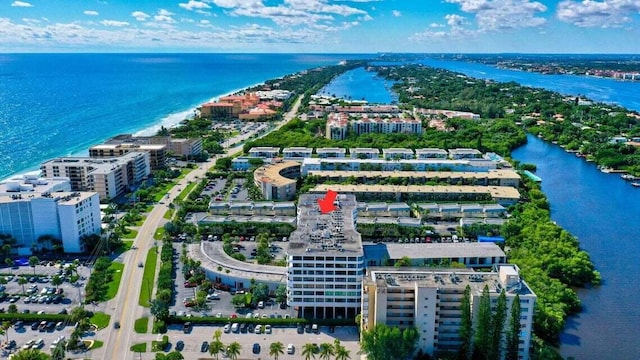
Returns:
(291,349)
(256,348)
(227,328)
(204,347)
(180,345)
(186,328)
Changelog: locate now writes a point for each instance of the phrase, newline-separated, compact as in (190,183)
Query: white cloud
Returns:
(435,25)
(454,20)
(503,14)
(396,13)
(316,14)
(192,4)
(114,23)
(91,12)
(21,4)
(140,16)
(163,12)
(604,14)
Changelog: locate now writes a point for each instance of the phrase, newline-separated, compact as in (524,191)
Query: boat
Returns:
(636,184)
(629,177)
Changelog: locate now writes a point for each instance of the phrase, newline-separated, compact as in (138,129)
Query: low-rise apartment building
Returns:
(431,299)
(157,152)
(277,181)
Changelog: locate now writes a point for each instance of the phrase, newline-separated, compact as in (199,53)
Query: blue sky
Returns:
(345,26)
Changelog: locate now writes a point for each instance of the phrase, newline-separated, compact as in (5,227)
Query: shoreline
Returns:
(169,121)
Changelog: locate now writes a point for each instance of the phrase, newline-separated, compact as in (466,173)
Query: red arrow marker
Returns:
(326,204)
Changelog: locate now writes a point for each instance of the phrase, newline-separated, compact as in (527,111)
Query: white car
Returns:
(267,329)
(291,349)
(227,328)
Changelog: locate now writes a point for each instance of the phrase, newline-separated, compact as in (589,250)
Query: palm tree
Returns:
(233,350)
(6,325)
(217,334)
(22,281)
(276,349)
(216,347)
(33,261)
(340,351)
(309,351)
(326,351)
(9,262)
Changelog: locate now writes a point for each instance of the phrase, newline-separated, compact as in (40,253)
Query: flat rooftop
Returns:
(491,174)
(434,250)
(448,278)
(504,192)
(330,233)
(272,173)
(64,198)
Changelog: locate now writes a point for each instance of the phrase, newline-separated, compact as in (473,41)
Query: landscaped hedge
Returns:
(210,320)
(33,317)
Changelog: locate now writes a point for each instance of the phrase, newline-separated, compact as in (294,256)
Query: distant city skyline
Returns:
(321,26)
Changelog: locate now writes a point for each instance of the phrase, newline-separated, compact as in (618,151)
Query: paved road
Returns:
(124,307)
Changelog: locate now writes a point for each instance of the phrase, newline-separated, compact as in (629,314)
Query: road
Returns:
(124,307)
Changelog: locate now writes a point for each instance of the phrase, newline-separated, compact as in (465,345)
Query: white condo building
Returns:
(66,216)
(325,261)
(430,300)
(109,177)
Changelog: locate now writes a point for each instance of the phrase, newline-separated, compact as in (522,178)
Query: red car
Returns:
(190,284)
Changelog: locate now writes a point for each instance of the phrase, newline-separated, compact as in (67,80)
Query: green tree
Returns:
(309,351)
(482,333)
(326,351)
(159,309)
(30,354)
(22,281)
(383,342)
(276,349)
(56,281)
(404,261)
(58,351)
(497,324)
(466,325)
(233,350)
(513,332)
(9,262)
(174,355)
(341,352)
(77,313)
(6,325)
(281,294)
(33,261)
(215,348)
(12,309)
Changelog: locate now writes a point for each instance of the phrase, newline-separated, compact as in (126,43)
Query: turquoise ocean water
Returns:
(61,104)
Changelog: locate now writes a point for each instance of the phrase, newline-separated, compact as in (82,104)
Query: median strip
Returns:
(148,277)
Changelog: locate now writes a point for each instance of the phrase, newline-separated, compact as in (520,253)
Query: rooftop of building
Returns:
(127,145)
(104,163)
(504,277)
(62,198)
(33,183)
(433,250)
(491,174)
(504,192)
(264,148)
(271,173)
(330,233)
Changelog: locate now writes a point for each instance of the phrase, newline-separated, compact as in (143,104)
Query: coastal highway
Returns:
(124,307)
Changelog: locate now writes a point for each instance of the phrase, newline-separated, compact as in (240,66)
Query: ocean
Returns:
(61,104)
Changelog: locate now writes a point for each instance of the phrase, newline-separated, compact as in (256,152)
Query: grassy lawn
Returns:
(101,320)
(141,221)
(130,234)
(148,278)
(159,234)
(184,172)
(141,347)
(96,344)
(169,214)
(114,284)
(141,325)
(126,245)
(162,191)
(186,191)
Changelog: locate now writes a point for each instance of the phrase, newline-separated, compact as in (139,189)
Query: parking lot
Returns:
(193,341)
(39,294)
